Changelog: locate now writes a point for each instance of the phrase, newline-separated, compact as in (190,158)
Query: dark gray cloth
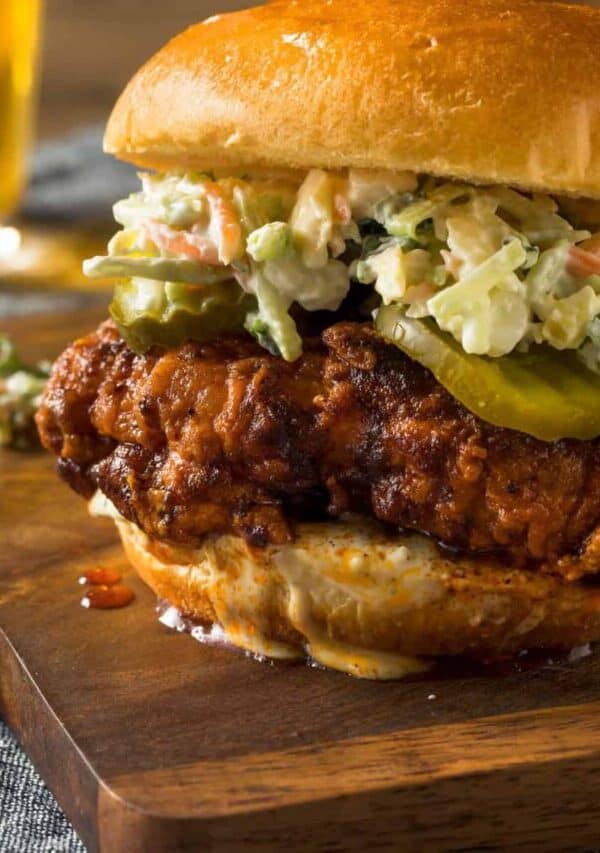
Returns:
(18,302)
(71,181)
(30,820)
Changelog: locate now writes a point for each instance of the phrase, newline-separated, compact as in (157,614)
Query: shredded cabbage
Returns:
(158,269)
(506,256)
(486,311)
(312,218)
(367,188)
(314,289)
(269,242)
(567,324)
(498,269)
(272,322)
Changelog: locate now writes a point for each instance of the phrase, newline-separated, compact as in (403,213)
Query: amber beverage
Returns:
(19,30)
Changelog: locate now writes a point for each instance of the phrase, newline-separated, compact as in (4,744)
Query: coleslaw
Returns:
(497,269)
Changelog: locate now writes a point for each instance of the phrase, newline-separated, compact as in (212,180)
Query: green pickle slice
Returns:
(149,313)
(544,393)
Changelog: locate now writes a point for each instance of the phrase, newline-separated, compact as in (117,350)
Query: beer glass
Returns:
(19,30)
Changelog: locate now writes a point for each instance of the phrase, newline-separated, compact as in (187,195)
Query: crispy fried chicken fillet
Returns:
(223,437)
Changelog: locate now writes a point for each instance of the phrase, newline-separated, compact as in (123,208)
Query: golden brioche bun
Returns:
(356,598)
(489,91)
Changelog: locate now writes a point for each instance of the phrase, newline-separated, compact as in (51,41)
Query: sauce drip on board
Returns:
(104,590)
(101,576)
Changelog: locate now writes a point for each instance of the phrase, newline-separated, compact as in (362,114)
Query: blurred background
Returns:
(92,47)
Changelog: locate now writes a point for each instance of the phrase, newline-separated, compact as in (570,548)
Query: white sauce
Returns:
(351,568)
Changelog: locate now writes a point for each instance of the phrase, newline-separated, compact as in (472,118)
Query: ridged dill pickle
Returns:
(149,313)
(545,393)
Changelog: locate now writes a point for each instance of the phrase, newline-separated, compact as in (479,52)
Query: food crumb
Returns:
(432,696)
(579,652)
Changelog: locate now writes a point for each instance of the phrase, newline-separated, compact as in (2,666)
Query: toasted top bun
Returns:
(359,599)
(489,91)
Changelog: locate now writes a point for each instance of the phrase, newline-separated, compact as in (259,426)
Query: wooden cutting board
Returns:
(152,742)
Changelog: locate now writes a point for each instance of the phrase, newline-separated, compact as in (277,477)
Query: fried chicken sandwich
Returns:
(347,405)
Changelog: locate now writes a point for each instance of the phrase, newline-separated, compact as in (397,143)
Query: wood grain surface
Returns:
(152,742)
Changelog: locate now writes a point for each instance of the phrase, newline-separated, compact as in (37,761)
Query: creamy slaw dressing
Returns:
(497,269)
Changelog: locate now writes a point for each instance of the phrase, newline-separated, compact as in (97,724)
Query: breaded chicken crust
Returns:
(223,437)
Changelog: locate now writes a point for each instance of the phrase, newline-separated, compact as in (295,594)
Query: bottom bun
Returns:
(356,598)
